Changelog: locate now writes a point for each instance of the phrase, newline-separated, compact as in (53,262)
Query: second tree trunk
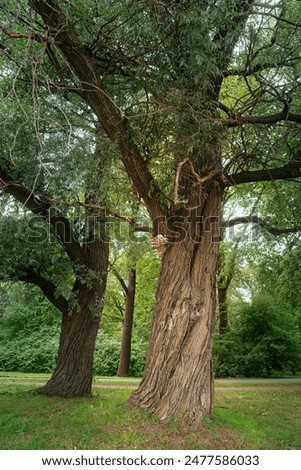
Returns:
(125,354)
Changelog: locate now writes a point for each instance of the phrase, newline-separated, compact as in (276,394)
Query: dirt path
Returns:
(286,380)
(292,386)
(230,387)
(267,384)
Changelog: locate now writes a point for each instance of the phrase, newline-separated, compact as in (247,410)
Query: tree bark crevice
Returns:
(72,376)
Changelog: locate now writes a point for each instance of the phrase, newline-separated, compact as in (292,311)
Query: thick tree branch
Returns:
(47,202)
(237,120)
(97,207)
(42,207)
(110,116)
(252,70)
(254,219)
(47,287)
(289,171)
(33,36)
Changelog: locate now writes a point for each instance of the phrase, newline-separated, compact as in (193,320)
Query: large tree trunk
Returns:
(125,354)
(178,376)
(72,376)
(73,373)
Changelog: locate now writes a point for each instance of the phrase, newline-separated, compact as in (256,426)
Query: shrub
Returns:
(36,353)
(107,353)
(263,341)
(29,337)
(29,340)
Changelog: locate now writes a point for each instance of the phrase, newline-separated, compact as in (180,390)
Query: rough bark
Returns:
(178,376)
(125,354)
(72,376)
(74,368)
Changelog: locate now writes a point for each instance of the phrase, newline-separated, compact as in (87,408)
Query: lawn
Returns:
(243,419)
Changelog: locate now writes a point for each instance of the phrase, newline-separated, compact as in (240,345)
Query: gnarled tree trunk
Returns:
(73,373)
(178,376)
(72,376)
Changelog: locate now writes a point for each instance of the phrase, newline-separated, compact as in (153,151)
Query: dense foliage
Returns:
(165,109)
(263,340)
(29,338)
(29,331)
(29,324)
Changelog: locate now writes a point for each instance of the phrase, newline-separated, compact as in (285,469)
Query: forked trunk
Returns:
(125,354)
(178,377)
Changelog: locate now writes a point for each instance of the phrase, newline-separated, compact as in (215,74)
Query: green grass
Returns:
(243,419)
(257,383)
(269,419)
(22,375)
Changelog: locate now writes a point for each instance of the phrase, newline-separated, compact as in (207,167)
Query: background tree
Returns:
(264,334)
(61,250)
(129,289)
(129,257)
(270,291)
